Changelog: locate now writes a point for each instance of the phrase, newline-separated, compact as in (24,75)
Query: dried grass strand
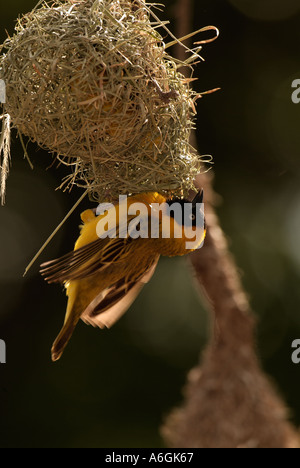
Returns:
(53,234)
(4,154)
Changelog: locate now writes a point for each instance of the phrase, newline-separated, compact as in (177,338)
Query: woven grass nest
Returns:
(91,81)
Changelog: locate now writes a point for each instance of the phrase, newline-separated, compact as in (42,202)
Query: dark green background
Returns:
(113,388)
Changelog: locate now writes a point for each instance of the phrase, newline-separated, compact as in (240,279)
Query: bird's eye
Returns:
(192,217)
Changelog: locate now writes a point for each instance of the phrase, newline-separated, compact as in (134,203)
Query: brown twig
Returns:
(183,24)
(229,401)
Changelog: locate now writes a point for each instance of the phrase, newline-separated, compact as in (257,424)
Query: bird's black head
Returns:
(188,213)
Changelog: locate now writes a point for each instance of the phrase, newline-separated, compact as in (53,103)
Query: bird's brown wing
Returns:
(83,262)
(109,306)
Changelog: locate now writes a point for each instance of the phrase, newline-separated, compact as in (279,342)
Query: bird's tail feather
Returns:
(63,338)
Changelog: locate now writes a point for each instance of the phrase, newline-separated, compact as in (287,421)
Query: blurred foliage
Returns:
(112,388)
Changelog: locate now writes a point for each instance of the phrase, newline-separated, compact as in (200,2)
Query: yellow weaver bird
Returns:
(109,266)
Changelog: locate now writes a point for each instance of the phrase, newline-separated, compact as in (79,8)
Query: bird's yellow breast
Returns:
(173,239)
(90,220)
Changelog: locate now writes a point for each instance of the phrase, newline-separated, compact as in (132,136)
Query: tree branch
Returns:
(228,400)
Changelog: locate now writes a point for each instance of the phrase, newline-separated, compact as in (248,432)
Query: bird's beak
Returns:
(198,198)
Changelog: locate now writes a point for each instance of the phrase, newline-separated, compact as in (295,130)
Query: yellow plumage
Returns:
(103,276)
